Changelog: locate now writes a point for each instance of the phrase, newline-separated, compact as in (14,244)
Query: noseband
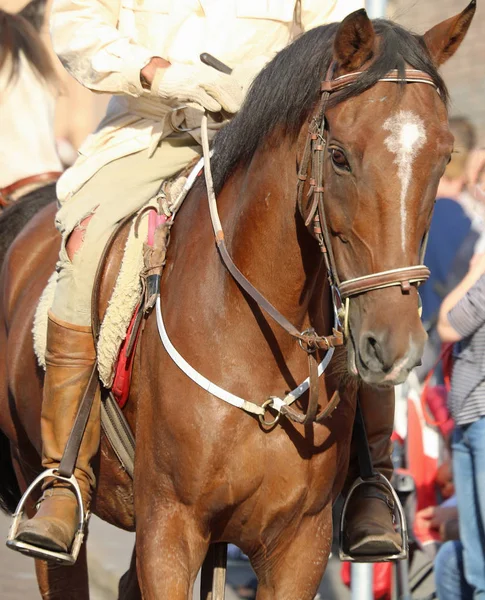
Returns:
(311,170)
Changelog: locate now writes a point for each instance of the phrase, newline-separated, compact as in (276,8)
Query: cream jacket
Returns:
(105,43)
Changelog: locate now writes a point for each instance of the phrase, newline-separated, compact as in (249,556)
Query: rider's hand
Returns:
(148,72)
(200,84)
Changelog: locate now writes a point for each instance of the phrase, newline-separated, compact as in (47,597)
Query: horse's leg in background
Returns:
(295,571)
(170,551)
(128,588)
(213,575)
(56,582)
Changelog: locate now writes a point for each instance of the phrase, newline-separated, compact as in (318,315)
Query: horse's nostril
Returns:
(372,354)
(375,348)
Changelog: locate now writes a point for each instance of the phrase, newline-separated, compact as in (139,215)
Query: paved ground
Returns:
(109,551)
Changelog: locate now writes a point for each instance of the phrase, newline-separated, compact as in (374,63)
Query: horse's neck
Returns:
(267,238)
(27,140)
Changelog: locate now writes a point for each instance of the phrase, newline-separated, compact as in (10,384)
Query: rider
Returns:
(146,53)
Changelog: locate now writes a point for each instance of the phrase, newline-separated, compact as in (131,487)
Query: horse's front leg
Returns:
(296,567)
(170,550)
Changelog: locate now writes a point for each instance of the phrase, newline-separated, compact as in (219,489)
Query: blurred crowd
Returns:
(454,316)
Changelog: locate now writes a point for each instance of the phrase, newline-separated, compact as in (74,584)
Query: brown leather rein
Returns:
(311,169)
(44,178)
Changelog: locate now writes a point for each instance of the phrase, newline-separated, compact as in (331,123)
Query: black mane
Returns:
(287,89)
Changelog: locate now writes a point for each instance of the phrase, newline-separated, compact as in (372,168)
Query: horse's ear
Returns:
(354,42)
(443,39)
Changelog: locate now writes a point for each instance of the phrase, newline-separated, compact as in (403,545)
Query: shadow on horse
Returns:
(206,471)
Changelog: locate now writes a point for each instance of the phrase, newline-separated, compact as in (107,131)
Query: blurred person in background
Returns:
(148,57)
(28,92)
(462,321)
(475,197)
(451,241)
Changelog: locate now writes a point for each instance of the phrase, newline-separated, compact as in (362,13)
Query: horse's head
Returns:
(387,148)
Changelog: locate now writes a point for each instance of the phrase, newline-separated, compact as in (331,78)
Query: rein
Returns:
(311,169)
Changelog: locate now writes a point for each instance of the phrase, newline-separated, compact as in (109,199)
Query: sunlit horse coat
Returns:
(104,45)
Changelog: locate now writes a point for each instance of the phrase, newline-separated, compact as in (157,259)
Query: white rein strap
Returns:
(251,407)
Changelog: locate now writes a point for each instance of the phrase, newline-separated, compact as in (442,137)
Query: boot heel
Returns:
(399,515)
(64,558)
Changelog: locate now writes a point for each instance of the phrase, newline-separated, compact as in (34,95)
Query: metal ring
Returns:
(262,420)
(307,347)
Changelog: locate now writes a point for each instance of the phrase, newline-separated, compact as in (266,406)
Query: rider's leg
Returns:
(369,527)
(120,187)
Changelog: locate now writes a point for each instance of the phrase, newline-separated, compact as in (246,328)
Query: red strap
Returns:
(445,357)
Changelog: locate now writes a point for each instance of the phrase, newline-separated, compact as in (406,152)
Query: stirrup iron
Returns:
(63,558)
(398,514)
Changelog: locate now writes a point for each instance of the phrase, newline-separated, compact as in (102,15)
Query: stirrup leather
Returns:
(64,558)
(398,514)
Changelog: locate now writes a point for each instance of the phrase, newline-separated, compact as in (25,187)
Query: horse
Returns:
(205,471)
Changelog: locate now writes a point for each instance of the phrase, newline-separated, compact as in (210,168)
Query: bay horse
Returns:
(206,471)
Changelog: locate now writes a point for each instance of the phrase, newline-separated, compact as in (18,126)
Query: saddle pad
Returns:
(124,299)
(126,293)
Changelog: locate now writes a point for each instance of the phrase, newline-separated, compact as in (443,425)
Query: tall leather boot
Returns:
(70,356)
(369,525)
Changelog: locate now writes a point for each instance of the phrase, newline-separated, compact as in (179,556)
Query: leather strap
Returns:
(310,338)
(8,190)
(394,76)
(71,451)
(403,277)
(365,458)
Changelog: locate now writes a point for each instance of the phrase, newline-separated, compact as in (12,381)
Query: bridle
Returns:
(313,214)
(311,170)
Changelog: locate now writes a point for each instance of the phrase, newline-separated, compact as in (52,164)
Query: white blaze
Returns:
(407,136)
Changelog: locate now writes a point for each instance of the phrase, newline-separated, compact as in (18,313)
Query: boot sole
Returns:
(375,546)
(40,541)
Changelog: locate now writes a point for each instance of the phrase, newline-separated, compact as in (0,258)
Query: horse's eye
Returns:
(338,159)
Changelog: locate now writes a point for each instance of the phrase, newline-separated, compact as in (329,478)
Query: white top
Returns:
(27,141)
(105,44)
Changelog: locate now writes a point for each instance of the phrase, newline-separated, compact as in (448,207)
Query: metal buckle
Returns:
(398,512)
(63,558)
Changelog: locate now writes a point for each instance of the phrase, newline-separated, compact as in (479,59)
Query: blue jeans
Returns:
(449,573)
(468,445)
